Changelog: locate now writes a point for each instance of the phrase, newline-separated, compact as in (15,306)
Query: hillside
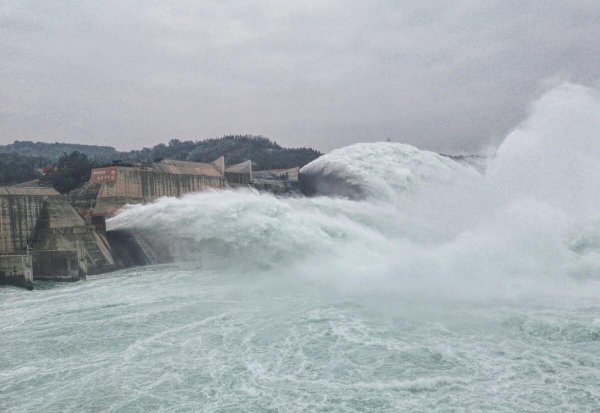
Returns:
(15,168)
(20,160)
(264,153)
(55,150)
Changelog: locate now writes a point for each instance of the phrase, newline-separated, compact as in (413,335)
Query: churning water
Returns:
(435,288)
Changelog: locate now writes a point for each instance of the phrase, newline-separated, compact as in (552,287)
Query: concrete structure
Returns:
(58,265)
(16,270)
(121,185)
(277,180)
(239,174)
(43,237)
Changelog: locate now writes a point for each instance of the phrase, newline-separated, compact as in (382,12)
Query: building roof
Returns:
(18,190)
(186,168)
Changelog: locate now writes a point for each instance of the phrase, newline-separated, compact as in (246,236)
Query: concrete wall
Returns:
(142,185)
(279,181)
(57,265)
(40,222)
(20,209)
(60,227)
(155,185)
(16,270)
(239,174)
(289,174)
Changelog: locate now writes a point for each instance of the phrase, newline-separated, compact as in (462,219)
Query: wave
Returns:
(380,170)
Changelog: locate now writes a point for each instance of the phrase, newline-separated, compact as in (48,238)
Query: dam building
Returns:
(42,237)
(278,181)
(118,186)
(239,174)
(140,184)
(45,236)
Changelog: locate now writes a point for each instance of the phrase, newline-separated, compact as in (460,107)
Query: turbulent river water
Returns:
(437,289)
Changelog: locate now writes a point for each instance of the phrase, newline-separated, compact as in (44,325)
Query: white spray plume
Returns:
(426,225)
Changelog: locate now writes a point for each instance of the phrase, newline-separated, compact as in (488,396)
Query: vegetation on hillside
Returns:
(264,153)
(56,150)
(20,161)
(70,172)
(16,168)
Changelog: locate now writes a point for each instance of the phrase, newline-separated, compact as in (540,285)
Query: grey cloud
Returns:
(448,76)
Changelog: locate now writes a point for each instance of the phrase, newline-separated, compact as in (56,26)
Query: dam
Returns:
(118,186)
(43,237)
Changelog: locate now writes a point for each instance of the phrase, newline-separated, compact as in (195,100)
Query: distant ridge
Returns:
(56,149)
(23,161)
(264,153)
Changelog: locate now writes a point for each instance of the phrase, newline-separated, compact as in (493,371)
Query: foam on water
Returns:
(438,289)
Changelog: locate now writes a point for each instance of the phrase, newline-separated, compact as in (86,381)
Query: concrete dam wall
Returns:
(16,269)
(122,185)
(43,237)
(20,209)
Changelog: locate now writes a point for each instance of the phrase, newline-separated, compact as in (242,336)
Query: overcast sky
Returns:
(447,76)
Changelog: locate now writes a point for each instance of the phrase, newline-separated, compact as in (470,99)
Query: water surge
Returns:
(393,217)
(408,282)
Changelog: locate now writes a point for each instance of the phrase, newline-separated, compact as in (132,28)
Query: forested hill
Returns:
(56,150)
(21,161)
(264,153)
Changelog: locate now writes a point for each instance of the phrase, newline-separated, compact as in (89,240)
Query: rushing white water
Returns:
(437,289)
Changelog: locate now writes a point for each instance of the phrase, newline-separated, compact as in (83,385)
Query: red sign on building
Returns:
(104,175)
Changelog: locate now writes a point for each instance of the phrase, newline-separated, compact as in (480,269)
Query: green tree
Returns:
(15,168)
(72,171)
